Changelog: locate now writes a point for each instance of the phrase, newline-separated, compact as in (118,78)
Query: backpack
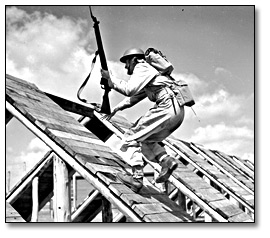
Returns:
(159,61)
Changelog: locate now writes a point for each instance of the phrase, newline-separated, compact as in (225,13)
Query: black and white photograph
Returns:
(130,114)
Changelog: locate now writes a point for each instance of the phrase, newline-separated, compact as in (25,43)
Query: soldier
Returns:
(157,124)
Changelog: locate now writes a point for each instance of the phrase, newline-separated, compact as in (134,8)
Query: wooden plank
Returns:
(120,189)
(40,108)
(87,151)
(70,128)
(91,145)
(167,217)
(24,87)
(10,78)
(95,168)
(225,168)
(236,165)
(146,209)
(135,198)
(43,114)
(19,90)
(108,178)
(241,217)
(24,99)
(209,194)
(165,202)
(67,135)
(95,159)
(226,208)
(247,166)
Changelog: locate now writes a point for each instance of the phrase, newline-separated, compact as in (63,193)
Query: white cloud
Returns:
(219,104)
(244,120)
(228,139)
(36,145)
(19,165)
(219,71)
(48,51)
(212,133)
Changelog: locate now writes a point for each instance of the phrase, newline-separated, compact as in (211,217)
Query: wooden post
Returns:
(35,202)
(106,210)
(62,204)
(74,180)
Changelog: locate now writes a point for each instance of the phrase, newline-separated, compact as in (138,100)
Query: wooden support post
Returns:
(35,202)
(62,204)
(74,180)
(106,210)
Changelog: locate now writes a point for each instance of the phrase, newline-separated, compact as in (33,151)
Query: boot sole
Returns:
(166,176)
(134,189)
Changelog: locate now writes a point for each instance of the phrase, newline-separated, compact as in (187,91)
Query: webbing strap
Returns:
(87,78)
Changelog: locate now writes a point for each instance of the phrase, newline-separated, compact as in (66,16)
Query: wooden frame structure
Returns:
(199,187)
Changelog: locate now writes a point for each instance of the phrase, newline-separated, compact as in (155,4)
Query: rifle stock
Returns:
(105,107)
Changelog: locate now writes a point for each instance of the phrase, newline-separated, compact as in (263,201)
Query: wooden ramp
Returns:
(74,148)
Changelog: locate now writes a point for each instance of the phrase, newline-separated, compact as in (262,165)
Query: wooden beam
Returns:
(62,204)
(208,158)
(74,164)
(35,202)
(106,210)
(85,203)
(244,203)
(71,106)
(13,194)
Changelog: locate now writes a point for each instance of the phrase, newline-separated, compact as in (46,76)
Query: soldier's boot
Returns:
(168,165)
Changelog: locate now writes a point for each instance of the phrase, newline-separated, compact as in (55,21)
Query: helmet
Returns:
(131,52)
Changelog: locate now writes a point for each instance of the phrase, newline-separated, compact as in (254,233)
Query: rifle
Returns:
(105,106)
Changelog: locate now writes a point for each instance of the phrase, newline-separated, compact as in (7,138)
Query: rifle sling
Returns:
(86,80)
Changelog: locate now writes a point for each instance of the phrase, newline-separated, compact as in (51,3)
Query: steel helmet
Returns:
(131,52)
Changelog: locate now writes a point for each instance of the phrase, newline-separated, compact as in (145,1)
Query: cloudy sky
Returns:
(211,47)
